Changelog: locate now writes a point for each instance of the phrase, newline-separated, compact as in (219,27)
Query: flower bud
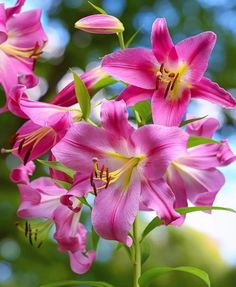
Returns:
(100,24)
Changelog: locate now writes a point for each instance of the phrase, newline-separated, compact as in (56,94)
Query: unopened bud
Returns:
(100,24)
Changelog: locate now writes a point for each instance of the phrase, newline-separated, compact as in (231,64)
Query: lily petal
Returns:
(3,31)
(161,40)
(80,262)
(114,118)
(195,52)
(205,127)
(157,196)
(40,198)
(119,208)
(207,90)
(169,112)
(161,145)
(132,95)
(135,66)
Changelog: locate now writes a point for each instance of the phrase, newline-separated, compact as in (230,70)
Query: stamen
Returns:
(161,68)
(30,235)
(101,172)
(157,82)
(94,189)
(27,155)
(21,146)
(167,89)
(26,228)
(174,81)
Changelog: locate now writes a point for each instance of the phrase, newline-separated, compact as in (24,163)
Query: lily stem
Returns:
(121,40)
(137,253)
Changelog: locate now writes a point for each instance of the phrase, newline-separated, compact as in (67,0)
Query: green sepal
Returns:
(82,96)
(57,166)
(150,275)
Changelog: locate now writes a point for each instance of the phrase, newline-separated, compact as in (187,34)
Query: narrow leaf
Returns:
(85,202)
(57,166)
(142,111)
(100,10)
(152,225)
(195,141)
(150,275)
(95,239)
(82,95)
(184,210)
(145,251)
(184,123)
(128,43)
(63,184)
(78,283)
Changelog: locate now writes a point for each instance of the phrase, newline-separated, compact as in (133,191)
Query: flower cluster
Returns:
(122,167)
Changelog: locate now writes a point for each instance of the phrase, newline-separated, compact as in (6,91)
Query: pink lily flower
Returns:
(22,39)
(46,126)
(194,176)
(122,166)
(42,198)
(170,75)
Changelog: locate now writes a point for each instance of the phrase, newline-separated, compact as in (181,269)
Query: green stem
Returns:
(137,253)
(121,40)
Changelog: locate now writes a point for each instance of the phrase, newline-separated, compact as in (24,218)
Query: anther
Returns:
(21,146)
(91,179)
(107,183)
(27,155)
(107,174)
(40,244)
(30,235)
(174,81)
(36,235)
(167,89)
(161,68)
(171,75)
(94,189)
(157,82)
(26,228)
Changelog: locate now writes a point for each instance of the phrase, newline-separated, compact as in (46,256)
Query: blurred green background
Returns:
(22,265)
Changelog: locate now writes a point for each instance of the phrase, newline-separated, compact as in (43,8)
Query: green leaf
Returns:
(106,81)
(100,10)
(57,166)
(184,123)
(145,251)
(78,283)
(95,239)
(184,210)
(85,202)
(195,141)
(63,184)
(142,111)
(82,95)
(148,276)
(132,38)
(152,225)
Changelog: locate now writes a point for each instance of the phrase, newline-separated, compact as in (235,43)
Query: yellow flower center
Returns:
(104,177)
(173,81)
